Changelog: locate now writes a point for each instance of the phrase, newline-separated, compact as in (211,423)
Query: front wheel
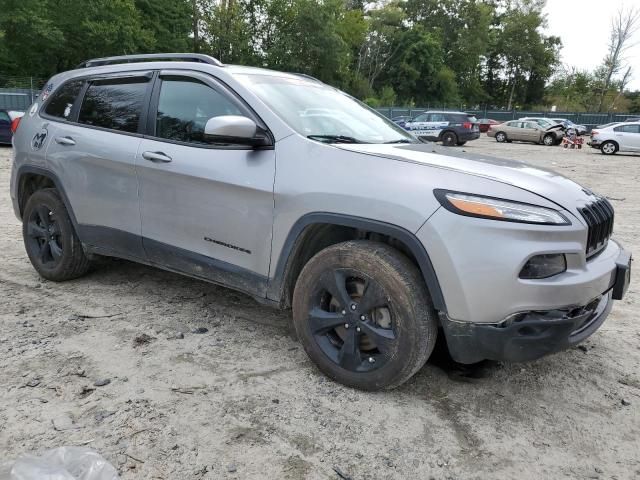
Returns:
(363,315)
(549,140)
(609,148)
(501,137)
(49,238)
(449,139)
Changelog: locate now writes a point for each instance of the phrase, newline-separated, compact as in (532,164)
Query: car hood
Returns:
(543,182)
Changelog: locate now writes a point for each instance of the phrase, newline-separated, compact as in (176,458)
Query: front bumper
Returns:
(530,335)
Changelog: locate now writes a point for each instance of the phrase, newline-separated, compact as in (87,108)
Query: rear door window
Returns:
(628,129)
(115,104)
(63,99)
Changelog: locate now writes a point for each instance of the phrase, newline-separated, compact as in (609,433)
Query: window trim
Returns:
(215,84)
(149,74)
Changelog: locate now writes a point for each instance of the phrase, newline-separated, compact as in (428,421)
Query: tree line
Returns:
(397,52)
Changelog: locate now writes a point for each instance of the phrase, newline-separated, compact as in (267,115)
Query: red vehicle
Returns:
(485,123)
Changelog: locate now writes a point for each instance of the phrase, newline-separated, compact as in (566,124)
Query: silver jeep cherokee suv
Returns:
(282,187)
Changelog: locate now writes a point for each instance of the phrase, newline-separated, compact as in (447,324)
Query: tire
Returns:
(50,239)
(609,147)
(461,143)
(349,340)
(449,139)
(549,140)
(501,137)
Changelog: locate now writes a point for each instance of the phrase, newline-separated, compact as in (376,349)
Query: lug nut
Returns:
(353,306)
(362,317)
(357,329)
(346,325)
(344,312)
(372,360)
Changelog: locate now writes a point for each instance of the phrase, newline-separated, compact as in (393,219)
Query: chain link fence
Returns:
(17,93)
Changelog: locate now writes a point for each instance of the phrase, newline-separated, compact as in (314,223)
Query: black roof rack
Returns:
(184,57)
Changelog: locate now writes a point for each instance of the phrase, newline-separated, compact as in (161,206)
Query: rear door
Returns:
(628,137)
(206,208)
(5,127)
(93,151)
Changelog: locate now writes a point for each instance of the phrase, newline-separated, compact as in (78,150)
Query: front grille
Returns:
(599,217)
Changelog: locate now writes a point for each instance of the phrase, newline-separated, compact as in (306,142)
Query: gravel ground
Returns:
(243,401)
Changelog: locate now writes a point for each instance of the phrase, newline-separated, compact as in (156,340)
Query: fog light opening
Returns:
(544,266)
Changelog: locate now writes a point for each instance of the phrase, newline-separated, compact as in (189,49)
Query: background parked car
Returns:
(485,123)
(632,119)
(620,137)
(450,128)
(580,129)
(402,120)
(8,119)
(527,131)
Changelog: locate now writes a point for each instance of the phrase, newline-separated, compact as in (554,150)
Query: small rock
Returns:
(177,336)
(583,348)
(102,382)
(200,330)
(34,382)
(625,402)
(63,422)
(599,470)
(232,468)
(341,474)
(275,400)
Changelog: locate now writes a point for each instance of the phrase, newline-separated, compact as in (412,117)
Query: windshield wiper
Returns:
(335,138)
(401,140)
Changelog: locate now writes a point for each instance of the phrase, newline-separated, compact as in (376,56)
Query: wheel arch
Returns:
(31,179)
(316,231)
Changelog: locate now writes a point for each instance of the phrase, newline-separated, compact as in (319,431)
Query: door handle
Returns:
(65,141)
(157,157)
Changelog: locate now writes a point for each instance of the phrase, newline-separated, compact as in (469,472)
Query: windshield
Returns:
(323,113)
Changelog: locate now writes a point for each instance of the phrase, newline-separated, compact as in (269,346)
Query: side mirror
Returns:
(234,129)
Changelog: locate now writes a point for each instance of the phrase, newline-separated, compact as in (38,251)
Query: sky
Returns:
(584,26)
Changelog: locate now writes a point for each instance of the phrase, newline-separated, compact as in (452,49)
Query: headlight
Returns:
(498,209)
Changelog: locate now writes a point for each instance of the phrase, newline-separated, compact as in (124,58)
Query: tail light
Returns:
(467,125)
(14,124)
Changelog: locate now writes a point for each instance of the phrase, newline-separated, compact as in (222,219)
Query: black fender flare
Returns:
(277,281)
(26,169)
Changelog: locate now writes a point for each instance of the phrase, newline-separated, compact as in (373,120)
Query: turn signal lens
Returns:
(498,209)
(544,266)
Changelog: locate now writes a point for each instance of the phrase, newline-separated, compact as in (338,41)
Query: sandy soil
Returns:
(243,401)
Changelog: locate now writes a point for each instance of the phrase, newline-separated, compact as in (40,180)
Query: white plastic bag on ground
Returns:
(64,463)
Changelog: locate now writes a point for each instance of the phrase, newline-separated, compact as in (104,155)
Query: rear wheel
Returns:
(363,315)
(449,139)
(501,137)
(49,238)
(609,147)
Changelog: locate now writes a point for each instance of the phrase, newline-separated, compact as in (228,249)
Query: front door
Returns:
(628,137)
(206,208)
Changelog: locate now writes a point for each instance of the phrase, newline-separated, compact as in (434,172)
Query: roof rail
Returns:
(185,57)
(309,77)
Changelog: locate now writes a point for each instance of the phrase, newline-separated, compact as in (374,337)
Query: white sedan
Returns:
(619,137)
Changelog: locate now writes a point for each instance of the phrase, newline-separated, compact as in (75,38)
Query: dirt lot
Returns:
(243,401)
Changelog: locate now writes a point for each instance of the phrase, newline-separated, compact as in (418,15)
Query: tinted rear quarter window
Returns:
(62,100)
(115,104)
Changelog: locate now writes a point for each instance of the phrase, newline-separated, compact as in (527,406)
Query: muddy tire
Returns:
(50,239)
(364,316)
